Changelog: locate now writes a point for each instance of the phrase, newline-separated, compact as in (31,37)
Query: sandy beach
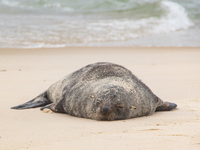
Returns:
(173,74)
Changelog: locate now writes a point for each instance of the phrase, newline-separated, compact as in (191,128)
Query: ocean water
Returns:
(62,23)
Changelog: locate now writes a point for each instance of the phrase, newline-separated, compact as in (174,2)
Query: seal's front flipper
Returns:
(46,107)
(52,107)
(40,100)
(55,107)
(166,106)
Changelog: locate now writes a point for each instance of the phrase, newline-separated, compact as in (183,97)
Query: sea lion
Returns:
(100,91)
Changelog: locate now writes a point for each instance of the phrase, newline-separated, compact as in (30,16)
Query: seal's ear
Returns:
(40,100)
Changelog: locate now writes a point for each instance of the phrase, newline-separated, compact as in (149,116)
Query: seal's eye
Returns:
(120,106)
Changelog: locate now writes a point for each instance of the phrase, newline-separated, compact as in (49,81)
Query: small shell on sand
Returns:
(46,110)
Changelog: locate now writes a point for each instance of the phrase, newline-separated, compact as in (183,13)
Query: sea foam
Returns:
(174,18)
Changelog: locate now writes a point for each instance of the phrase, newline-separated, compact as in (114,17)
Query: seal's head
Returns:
(111,104)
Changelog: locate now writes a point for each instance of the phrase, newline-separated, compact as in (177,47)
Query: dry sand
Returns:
(172,73)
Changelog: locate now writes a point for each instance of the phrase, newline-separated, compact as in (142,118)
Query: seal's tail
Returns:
(40,100)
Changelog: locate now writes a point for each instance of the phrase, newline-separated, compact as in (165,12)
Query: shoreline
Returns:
(172,73)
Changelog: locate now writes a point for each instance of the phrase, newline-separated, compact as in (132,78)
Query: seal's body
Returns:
(100,91)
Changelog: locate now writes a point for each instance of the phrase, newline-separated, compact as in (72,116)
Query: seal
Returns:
(100,91)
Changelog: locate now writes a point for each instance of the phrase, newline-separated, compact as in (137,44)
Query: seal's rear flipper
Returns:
(40,100)
(166,106)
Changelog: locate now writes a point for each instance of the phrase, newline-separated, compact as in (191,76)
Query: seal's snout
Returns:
(105,110)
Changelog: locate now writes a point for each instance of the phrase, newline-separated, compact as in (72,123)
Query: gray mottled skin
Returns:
(96,87)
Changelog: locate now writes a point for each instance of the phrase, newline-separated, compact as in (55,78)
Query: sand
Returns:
(173,74)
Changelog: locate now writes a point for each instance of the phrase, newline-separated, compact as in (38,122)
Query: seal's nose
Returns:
(105,109)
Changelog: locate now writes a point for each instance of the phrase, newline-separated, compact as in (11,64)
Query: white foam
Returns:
(174,19)
(9,3)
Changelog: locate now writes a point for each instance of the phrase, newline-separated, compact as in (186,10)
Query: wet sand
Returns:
(173,74)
